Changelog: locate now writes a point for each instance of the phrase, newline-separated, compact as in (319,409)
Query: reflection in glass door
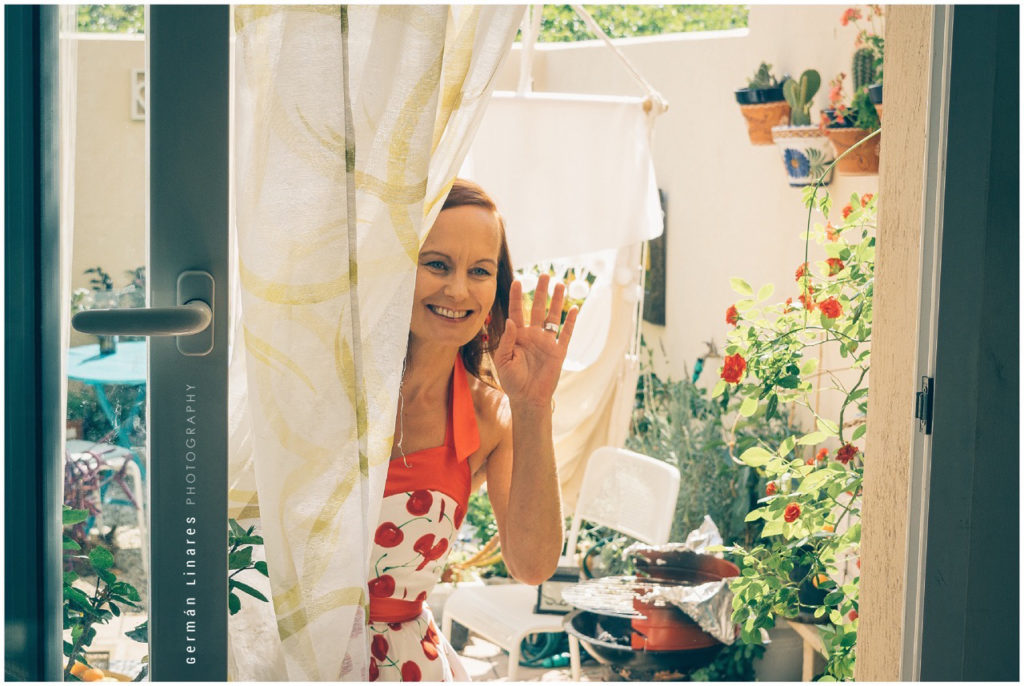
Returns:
(106,460)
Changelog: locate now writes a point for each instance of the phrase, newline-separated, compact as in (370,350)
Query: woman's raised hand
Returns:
(529,359)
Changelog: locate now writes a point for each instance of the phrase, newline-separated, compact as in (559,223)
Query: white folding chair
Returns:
(114,459)
(622,490)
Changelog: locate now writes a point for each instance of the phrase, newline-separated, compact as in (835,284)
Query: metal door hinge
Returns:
(923,406)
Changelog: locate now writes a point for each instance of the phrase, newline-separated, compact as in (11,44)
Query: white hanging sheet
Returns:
(570,173)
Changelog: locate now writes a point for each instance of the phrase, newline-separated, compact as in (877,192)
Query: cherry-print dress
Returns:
(424,505)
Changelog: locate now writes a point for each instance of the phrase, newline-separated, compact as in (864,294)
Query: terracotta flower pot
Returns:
(805,152)
(862,161)
(762,117)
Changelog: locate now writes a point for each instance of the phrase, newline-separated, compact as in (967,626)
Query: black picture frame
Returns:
(549,593)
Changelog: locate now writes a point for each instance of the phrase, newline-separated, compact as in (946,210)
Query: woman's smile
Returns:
(446,313)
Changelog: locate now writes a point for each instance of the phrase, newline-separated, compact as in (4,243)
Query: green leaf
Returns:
(788,381)
(773,528)
(831,427)
(261,567)
(753,515)
(773,404)
(741,286)
(236,528)
(125,589)
(748,407)
(787,446)
(69,517)
(755,456)
(245,588)
(234,604)
(765,291)
(719,388)
(814,480)
(859,431)
(115,610)
(813,438)
(100,558)
(70,577)
(70,544)
(139,633)
(240,558)
(108,577)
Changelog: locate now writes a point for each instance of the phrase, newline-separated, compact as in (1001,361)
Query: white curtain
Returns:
(574,179)
(351,123)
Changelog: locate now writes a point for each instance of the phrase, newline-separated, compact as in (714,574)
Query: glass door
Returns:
(145,463)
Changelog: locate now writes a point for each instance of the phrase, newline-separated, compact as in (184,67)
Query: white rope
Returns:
(655,99)
(530,29)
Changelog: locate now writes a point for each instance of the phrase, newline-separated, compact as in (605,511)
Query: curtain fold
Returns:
(350,125)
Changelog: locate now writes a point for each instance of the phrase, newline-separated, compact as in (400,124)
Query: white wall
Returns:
(731,211)
(110,164)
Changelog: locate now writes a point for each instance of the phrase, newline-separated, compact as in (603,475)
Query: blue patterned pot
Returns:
(806,153)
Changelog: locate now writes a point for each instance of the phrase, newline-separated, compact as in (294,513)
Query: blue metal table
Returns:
(125,367)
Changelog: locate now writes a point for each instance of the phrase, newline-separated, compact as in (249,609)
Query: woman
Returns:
(455,430)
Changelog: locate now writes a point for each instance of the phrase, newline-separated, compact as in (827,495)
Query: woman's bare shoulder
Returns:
(492,409)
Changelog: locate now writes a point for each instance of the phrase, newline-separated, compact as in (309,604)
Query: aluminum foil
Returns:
(710,605)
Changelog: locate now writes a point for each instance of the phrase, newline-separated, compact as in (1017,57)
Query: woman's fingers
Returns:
(540,301)
(570,324)
(555,313)
(508,339)
(515,303)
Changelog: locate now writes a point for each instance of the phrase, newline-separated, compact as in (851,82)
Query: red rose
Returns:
(382,587)
(822,454)
(853,615)
(791,513)
(429,649)
(831,232)
(830,307)
(388,535)
(800,271)
(732,315)
(419,503)
(847,210)
(807,300)
(379,647)
(411,671)
(835,265)
(734,367)
(770,488)
(846,453)
(852,14)
(459,514)
(788,307)
(865,199)
(809,460)
(374,670)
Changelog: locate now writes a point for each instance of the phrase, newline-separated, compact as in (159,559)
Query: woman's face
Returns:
(456,278)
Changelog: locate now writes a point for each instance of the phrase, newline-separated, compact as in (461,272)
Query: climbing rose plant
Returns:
(804,564)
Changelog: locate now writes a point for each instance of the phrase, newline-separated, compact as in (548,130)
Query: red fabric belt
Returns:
(394,610)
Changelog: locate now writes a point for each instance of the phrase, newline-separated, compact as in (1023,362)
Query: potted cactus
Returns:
(762,104)
(805,151)
(850,123)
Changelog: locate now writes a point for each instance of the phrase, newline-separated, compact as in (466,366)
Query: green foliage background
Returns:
(560,24)
(111,19)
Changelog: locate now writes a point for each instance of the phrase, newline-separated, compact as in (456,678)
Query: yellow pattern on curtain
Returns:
(351,123)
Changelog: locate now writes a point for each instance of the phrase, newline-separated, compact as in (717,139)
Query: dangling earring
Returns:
(487,323)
